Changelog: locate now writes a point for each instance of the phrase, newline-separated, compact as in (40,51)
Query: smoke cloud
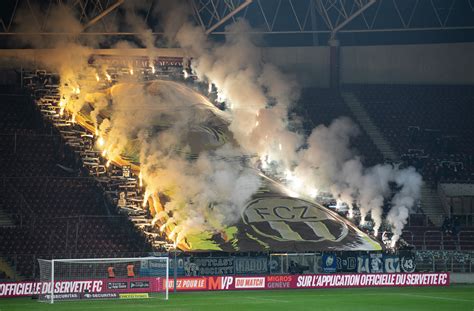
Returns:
(259,96)
(208,193)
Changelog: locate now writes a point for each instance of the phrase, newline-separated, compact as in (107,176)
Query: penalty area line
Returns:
(267,299)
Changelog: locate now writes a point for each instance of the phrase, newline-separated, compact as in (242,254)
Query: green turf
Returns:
(454,298)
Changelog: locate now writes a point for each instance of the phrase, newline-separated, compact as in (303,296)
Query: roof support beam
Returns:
(101,15)
(228,16)
(350,18)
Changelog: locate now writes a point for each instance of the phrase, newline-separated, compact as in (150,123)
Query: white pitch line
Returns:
(81,305)
(435,297)
(267,299)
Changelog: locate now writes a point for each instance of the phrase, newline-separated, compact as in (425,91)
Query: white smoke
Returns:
(404,200)
(259,95)
(328,162)
(206,194)
(209,193)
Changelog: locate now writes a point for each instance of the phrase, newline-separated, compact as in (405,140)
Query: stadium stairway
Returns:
(369,126)
(430,202)
(5,220)
(55,213)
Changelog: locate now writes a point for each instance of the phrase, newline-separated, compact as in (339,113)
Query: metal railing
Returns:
(444,261)
(426,261)
(423,220)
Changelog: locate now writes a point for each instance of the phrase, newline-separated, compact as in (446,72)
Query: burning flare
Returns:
(101,141)
(145,198)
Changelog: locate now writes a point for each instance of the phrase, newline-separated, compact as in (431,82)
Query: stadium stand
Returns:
(321,106)
(56,212)
(424,128)
(430,126)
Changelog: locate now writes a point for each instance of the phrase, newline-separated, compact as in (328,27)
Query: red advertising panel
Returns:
(189,283)
(223,283)
(213,283)
(370,280)
(136,285)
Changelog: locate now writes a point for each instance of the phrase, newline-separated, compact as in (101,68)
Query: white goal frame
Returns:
(79,260)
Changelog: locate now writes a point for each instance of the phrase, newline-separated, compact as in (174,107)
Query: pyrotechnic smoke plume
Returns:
(259,97)
(209,193)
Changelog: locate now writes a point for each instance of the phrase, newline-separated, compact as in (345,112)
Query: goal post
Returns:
(103,278)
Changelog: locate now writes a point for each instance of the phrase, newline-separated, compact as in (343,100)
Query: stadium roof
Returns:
(281,22)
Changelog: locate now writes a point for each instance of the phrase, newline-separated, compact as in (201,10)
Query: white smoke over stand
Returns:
(258,96)
(324,161)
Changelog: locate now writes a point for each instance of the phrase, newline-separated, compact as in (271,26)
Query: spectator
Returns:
(111,272)
(447,226)
(130,272)
(385,238)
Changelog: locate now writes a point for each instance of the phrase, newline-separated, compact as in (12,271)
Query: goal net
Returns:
(103,278)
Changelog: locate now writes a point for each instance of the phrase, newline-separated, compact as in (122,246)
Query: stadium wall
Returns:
(308,65)
(387,64)
(456,189)
(407,64)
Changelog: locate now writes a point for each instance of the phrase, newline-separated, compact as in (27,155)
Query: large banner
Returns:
(378,263)
(329,263)
(363,264)
(251,265)
(347,262)
(135,61)
(407,262)
(215,265)
(391,264)
(74,289)
(227,266)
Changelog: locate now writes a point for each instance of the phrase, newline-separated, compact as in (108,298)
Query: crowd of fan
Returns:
(119,184)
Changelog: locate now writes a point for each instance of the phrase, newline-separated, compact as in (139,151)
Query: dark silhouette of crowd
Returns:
(451,226)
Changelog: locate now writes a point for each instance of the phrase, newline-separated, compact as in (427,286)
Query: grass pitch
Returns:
(454,298)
